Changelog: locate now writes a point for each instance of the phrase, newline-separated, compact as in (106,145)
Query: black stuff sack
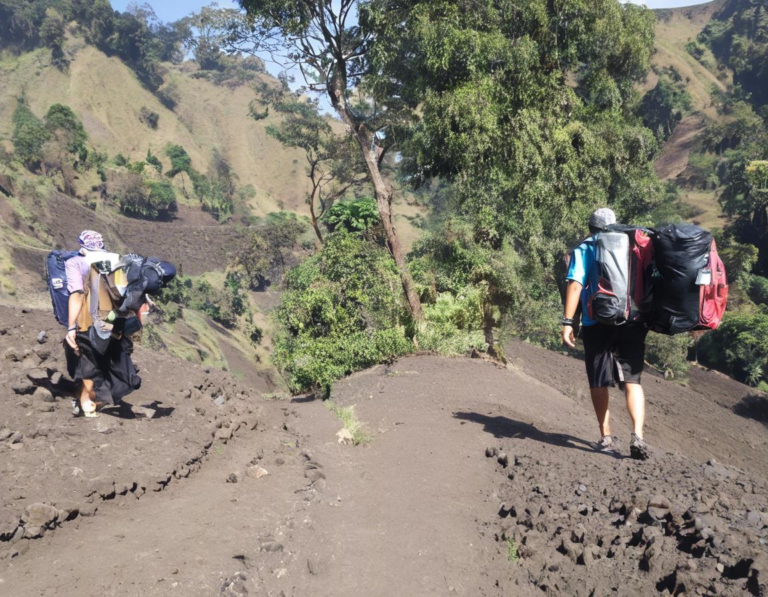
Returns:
(681,251)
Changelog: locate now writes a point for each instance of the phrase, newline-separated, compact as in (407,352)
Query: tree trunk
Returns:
(383,192)
(381,189)
(315,223)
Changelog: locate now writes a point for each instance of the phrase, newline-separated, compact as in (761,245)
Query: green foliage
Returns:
(63,123)
(739,347)
(454,324)
(153,161)
(180,160)
(356,216)
(121,160)
(342,311)
(226,306)
(267,252)
(162,198)
(512,551)
(52,36)
(346,414)
(669,354)
(664,106)
(758,290)
(738,36)
(529,155)
(29,135)
(335,164)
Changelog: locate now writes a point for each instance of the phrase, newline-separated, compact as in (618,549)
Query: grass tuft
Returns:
(512,548)
(351,423)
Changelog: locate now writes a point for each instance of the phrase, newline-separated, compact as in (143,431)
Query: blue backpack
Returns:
(56,274)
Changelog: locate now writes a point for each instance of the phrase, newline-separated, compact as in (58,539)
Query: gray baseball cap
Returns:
(602,218)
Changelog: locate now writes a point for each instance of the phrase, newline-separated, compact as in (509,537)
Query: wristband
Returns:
(567,321)
(72,329)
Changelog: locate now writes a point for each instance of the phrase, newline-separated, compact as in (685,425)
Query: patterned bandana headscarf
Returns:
(91,240)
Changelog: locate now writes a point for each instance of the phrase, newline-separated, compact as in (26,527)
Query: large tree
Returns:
(325,41)
(525,105)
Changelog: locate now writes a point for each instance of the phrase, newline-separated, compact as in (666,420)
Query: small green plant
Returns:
(276,396)
(346,414)
(512,551)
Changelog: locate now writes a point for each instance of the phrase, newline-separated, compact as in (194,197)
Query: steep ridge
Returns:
(477,480)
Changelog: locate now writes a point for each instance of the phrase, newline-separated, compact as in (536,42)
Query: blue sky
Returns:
(171,10)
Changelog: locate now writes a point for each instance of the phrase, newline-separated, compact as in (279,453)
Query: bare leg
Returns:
(600,402)
(636,406)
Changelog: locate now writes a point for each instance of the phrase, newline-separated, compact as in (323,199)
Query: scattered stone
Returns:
(43,395)
(270,545)
(5,433)
(16,438)
(12,354)
(491,452)
(345,437)
(23,387)
(44,407)
(314,475)
(234,586)
(40,515)
(503,460)
(224,434)
(37,376)
(256,472)
(233,478)
(42,337)
(658,507)
(220,401)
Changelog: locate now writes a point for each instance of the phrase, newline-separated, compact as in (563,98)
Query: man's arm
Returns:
(572,297)
(76,302)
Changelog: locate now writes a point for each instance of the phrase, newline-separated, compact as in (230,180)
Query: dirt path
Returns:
(422,510)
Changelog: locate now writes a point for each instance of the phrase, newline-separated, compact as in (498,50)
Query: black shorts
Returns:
(614,354)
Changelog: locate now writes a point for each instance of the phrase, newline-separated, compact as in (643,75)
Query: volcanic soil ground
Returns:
(475,479)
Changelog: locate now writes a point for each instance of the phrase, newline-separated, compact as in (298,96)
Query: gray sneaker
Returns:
(638,449)
(607,444)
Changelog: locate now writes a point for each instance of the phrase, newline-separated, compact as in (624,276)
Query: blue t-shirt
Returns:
(582,270)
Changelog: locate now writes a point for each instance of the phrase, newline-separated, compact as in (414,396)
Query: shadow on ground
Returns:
(504,427)
(753,407)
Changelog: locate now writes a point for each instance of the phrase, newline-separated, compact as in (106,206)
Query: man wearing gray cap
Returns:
(610,351)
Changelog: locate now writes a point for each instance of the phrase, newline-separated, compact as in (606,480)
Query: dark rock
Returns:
(233,478)
(16,438)
(491,452)
(503,460)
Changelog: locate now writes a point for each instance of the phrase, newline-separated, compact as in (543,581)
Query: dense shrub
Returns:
(739,347)
(342,311)
(669,354)
(29,135)
(355,216)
